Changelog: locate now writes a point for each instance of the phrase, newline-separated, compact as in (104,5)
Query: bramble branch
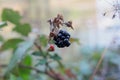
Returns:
(50,73)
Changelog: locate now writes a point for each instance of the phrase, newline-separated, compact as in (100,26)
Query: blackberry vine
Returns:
(60,37)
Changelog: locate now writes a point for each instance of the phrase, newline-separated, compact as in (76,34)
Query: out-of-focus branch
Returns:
(101,58)
(105,69)
(29,67)
(37,70)
(39,47)
(3,65)
(49,73)
(99,63)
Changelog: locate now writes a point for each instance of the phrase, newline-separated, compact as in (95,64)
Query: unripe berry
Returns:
(51,48)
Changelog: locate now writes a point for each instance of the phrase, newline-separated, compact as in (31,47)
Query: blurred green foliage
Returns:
(23,49)
(25,73)
(23,29)
(19,54)
(11,43)
(11,16)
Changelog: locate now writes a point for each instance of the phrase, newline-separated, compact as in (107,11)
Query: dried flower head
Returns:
(56,23)
(115,9)
(59,16)
(69,24)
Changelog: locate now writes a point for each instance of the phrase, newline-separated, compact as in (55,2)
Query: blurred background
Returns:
(94,31)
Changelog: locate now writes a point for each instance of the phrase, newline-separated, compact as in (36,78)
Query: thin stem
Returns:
(102,56)
(37,70)
(29,67)
(50,73)
(2,65)
(51,70)
(39,47)
(99,63)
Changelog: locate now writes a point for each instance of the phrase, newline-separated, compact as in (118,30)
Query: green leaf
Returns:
(37,53)
(19,54)
(24,73)
(11,43)
(11,15)
(23,29)
(2,24)
(55,57)
(27,60)
(41,62)
(43,40)
(74,40)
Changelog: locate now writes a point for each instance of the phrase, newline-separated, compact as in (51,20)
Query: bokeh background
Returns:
(95,32)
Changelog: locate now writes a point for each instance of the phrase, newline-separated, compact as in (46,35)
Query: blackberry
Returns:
(62,39)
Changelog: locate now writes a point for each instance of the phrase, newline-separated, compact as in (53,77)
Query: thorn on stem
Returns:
(113,16)
(104,14)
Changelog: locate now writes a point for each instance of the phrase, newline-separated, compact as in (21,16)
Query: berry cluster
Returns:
(62,39)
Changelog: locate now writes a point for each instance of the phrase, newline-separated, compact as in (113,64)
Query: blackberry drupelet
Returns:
(62,39)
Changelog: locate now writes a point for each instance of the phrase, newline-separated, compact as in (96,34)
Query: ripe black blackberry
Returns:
(62,39)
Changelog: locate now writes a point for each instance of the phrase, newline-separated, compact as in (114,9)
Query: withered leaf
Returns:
(69,24)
